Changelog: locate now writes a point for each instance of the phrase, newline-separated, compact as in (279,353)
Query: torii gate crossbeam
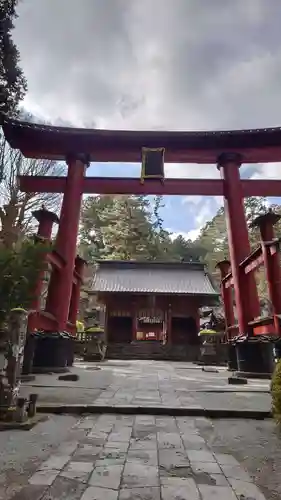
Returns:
(181,187)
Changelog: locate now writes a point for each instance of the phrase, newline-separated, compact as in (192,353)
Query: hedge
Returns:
(276,393)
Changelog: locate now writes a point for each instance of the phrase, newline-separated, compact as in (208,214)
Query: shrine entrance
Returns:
(226,149)
(151,326)
(119,329)
(185,331)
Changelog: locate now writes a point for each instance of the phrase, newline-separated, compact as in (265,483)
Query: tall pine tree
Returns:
(122,227)
(12,81)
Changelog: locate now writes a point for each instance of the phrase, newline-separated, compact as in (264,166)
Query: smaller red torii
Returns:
(48,319)
(267,254)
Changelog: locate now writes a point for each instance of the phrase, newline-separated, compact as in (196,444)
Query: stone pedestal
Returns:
(70,351)
(232,358)
(255,357)
(51,353)
(10,380)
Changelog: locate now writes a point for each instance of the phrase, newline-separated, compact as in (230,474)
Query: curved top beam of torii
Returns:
(43,141)
(50,142)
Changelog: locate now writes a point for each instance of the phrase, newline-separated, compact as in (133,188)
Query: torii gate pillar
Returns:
(246,296)
(60,289)
(271,262)
(226,293)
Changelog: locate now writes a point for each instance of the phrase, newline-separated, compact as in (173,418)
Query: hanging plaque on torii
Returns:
(152,164)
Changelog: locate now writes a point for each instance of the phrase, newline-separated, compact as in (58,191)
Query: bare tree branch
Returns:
(16,207)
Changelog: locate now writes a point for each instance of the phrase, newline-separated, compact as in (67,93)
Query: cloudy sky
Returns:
(155,64)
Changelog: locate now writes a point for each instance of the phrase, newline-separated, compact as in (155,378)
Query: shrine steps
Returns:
(152,350)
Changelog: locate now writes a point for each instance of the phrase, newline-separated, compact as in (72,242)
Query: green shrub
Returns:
(276,393)
(20,269)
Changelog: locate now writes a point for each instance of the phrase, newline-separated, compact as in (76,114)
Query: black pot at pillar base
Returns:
(51,353)
(70,351)
(255,358)
(232,358)
(29,352)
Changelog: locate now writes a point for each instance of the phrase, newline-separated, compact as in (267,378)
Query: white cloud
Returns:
(199,200)
(267,171)
(188,235)
(193,234)
(191,171)
(175,64)
(175,234)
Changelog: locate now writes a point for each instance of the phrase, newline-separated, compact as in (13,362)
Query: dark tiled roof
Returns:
(30,126)
(153,277)
(36,140)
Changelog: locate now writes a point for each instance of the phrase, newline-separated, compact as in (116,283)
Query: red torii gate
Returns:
(79,147)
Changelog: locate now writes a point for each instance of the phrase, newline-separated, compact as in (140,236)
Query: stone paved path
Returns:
(180,385)
(150,383)
(139,457)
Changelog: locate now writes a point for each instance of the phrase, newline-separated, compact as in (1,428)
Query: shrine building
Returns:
(152,300)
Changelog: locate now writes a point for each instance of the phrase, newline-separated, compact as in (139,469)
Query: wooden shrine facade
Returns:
(153,300)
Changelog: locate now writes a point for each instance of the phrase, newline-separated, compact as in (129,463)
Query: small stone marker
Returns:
(70,376)
(237,381)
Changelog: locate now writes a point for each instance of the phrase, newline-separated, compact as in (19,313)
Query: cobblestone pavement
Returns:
(179,385)
(151,383)
(140,457)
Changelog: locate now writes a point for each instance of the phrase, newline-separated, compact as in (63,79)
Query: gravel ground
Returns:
(256,445)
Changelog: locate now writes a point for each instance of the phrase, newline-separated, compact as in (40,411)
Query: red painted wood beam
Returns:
(228,280)
(126,154)
(268,329)
(261,187)
(112,185)
(55,259)
(252,261)
(274,246)
(117,185)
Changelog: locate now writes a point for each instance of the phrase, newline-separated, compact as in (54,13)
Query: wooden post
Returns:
(134,320)
(60,289)
(246,296)
(271,262)
(46,221)
(76,289)
(226,294)
(169,325)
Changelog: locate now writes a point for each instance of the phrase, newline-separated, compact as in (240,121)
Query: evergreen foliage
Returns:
(276,393)
(13,84)
(130,227)
(20,268)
